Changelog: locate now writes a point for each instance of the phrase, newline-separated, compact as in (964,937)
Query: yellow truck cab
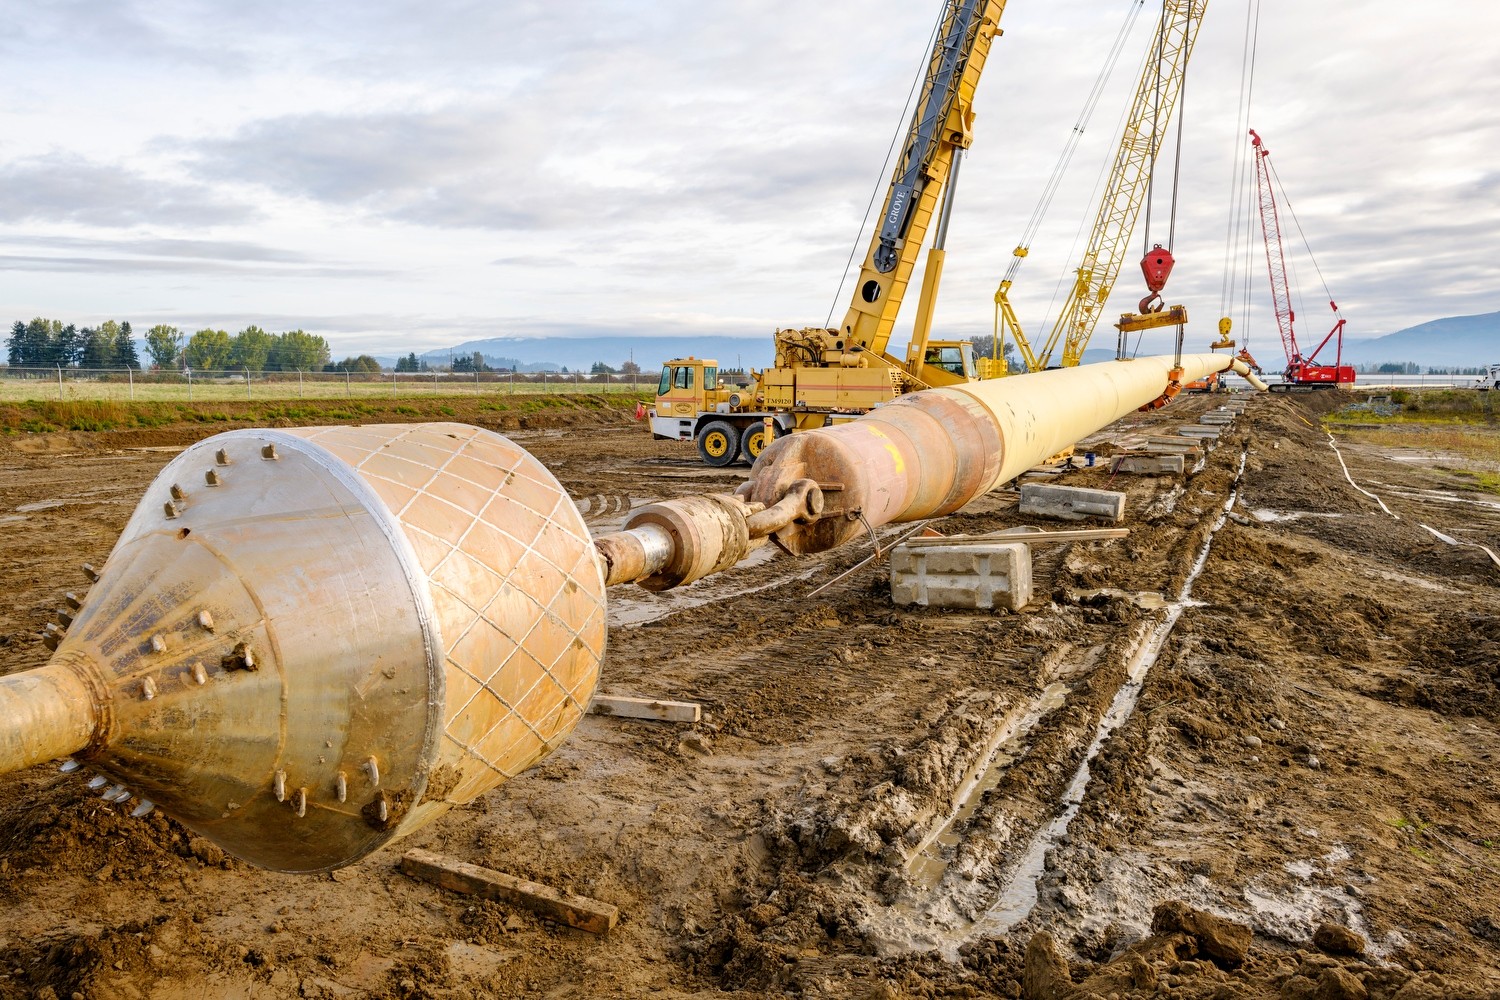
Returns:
(728,423)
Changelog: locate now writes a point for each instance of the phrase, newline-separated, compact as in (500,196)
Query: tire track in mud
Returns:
(996,852)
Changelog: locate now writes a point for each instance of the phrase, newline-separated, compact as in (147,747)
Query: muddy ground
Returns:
(1296,798)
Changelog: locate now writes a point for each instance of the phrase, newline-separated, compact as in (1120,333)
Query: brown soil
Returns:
(1302,803)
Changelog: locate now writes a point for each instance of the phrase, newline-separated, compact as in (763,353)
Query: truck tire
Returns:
(753,441)
(718,443)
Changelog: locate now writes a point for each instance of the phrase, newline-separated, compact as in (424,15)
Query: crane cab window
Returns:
(675,377)
(958,360)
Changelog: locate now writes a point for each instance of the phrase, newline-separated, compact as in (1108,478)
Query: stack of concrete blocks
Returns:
(1219,417)
(984,574)
(1208,435)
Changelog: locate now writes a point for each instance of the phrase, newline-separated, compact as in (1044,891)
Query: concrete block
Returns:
(1216,417)
(981,575)
(1070,503)
(1198,430)
(1178,445)
(1148,465)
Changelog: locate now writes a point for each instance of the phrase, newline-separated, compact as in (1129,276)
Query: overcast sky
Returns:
(401,176)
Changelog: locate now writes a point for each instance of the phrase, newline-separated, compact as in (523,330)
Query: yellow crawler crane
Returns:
(1156,97)
(824,376)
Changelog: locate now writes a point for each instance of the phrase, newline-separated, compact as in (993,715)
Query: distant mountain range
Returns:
(1456,341)
(581,353)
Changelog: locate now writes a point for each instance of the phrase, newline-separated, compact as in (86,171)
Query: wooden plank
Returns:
(576,911)
(1024,537)
(646,708)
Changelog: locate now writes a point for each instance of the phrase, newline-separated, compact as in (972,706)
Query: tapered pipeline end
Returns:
(340,635)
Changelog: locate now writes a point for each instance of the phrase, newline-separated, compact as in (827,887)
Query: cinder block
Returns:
(1148,465)
(1071,503)
(981,575)
(1178,445)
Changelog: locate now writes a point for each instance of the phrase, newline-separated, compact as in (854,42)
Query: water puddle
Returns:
(1147,600)
(929,862)
(1266,516)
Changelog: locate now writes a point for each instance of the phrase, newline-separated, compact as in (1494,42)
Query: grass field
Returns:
(42,416)
(155,387)
(1431,407)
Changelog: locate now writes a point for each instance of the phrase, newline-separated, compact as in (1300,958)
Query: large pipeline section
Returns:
(307,643)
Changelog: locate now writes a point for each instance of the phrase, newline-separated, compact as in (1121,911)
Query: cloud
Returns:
(62,187)
(127,265)
(166,247)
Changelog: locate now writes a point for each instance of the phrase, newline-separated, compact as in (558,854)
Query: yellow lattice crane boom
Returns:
(1156,97)
(941,127)
(828,375)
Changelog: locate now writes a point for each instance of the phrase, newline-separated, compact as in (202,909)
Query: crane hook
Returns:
(1156,267)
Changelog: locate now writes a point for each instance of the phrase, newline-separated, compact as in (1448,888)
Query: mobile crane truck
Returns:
(824,376)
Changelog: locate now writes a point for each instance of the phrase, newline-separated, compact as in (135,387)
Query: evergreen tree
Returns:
(97,346)
(15,345)
(64,343)
(125,352)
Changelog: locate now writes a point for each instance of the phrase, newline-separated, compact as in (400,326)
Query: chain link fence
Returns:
(124,384)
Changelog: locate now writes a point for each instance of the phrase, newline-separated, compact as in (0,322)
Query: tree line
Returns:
(49,343)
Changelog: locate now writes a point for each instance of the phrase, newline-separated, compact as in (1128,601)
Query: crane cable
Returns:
(883,182)
(1065,158)
(1177,158)
(1176,166)
(1238,225)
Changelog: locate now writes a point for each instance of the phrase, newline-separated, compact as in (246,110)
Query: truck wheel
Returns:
(753,442)
(718,443)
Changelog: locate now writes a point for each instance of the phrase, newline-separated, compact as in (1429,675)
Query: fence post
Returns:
(476,381)
(393,383)
(299,383)
(189,372)
(348,390)
(59,383)
(130,377)
(434,381)
(247,382)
